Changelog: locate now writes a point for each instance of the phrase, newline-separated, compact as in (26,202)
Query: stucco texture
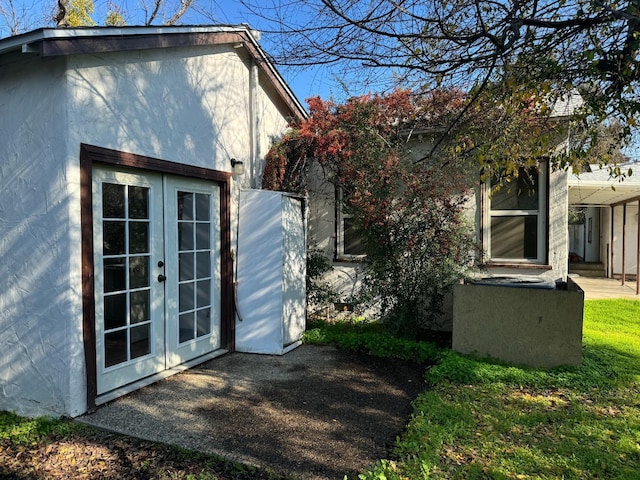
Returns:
(190,106)
(40,339)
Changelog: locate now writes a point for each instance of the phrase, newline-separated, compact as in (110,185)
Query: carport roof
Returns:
(598,188)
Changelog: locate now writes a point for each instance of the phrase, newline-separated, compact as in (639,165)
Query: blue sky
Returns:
(305,82)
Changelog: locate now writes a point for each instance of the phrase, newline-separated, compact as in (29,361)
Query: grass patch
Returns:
(371,338)
(490,420)
(24,431)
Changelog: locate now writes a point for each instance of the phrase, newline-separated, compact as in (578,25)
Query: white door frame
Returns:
(118,295)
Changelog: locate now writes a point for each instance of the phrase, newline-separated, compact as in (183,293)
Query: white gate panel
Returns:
(271,272)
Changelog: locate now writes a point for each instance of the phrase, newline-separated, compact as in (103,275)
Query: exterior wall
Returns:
(185,105)
(345,278)
(189,106)
(42,360)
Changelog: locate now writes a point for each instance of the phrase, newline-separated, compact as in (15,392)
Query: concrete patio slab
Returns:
(597,288)
(314,413)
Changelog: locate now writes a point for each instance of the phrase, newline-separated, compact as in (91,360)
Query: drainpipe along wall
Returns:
(255,166)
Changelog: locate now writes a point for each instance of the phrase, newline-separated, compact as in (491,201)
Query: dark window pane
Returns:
(203,322)
(140,344)
(186,297)
(139,306)
(138,202)
(115,274)
(521,194)
(353,243)
(115,348)
(202,206)
(112,200)
(203,265)
(115,311)
(138,237)
(202,236)
(186,267)
(185,236)
(138,272)
(203,293)
(185,206)
(186,327)
(113,238)
(514,237)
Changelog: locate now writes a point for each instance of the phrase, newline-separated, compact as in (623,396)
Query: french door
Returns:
(156,273)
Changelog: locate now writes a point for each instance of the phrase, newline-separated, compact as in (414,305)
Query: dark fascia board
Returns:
(53,42)
(52,47)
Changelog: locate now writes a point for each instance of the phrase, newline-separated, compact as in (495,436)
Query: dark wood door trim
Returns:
(90,154)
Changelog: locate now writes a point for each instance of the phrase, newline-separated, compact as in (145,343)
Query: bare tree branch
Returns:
(10,16)
(154,12)
(542,49)
(184,6)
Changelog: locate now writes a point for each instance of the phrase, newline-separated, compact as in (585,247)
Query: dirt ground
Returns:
(315,413)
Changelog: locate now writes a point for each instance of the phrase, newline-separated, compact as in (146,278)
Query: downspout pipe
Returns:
(254,129)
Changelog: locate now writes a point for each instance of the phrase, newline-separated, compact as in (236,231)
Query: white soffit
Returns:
(610,194)
(596,188)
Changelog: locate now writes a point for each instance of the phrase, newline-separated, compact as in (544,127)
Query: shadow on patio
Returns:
(317,412)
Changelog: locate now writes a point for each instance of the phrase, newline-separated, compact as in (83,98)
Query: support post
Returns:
(611,243)
(638,251)
(624,230)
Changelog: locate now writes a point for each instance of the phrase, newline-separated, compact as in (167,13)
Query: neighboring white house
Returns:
(118,206)
(607,238)
(520,233)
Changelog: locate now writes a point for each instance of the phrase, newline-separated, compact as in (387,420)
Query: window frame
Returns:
(542,225)
(340,217)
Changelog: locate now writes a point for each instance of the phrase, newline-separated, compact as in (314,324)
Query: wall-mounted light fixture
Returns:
(237,166)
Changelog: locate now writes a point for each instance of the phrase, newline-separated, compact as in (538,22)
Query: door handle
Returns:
(161,278)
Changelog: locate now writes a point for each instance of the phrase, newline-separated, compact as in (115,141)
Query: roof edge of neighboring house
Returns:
(566,105)
(51,42)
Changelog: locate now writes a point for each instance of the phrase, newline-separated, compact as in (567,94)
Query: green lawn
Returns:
(485,420)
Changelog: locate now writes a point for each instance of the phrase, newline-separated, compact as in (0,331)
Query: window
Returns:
(516,218)
(349,244)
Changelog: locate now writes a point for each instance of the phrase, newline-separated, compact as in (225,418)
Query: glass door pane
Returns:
(126,249)
(129,300)
(193,256)
(194,259)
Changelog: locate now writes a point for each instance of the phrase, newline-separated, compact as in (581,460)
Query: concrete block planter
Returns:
(539,327)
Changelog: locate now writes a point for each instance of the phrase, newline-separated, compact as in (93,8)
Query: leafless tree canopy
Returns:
(551,46)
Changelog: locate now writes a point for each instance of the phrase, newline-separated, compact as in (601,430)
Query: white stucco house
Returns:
(119,203)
